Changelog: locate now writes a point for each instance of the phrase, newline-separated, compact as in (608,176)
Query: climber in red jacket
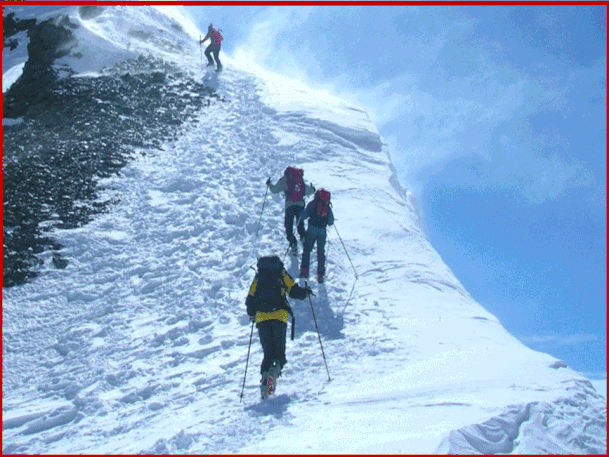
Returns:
(216,38)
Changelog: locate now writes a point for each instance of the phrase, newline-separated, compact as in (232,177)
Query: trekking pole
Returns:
(247,361)
(285,254)
(318,335)
(341,242)
(201,51)
(261,211)
(350,293)
(349,299)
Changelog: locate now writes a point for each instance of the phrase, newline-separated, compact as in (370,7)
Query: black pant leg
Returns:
(279,339)
(273,339)
(306,251)
(321,254)
(217,57)
(300,227)
(208,52)
(265,332)
(289,224)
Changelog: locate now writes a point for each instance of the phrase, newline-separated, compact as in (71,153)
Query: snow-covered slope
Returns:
(140,343)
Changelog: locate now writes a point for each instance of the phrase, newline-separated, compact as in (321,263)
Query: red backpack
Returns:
(322,205)
(216,36)
(295,182)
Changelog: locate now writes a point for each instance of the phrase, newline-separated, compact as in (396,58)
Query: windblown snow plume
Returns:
(134,210)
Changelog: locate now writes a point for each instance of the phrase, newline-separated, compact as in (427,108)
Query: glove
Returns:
(313,187)
(309,291)
(252,319)
(268,182)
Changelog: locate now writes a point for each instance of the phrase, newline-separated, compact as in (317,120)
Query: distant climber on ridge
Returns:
(215,44)
(293,185)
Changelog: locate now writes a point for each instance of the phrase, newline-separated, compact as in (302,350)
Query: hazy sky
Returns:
(495,118)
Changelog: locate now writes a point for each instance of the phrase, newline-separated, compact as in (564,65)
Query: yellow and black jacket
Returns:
(289,287)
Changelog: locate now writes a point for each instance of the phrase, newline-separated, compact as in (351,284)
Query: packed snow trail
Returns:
(157,287)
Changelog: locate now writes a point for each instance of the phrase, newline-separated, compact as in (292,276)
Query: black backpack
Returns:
(270,289)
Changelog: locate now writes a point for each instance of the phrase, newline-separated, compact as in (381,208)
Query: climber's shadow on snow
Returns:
(273,406)
(211,80)
(330,325)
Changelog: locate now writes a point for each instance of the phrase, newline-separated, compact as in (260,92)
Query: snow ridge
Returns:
(537,428)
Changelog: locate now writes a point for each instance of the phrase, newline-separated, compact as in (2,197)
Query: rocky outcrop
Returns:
(12,26)
(77,130)
(49,40)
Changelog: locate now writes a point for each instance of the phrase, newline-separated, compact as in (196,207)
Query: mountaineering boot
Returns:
(264,392)
(294,248)
(320,278)
(304,273)
(274,373)
(211,64)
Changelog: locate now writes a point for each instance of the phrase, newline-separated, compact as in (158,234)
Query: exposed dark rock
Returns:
(90,11)
(76,131)
(12,26)
(31,94)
